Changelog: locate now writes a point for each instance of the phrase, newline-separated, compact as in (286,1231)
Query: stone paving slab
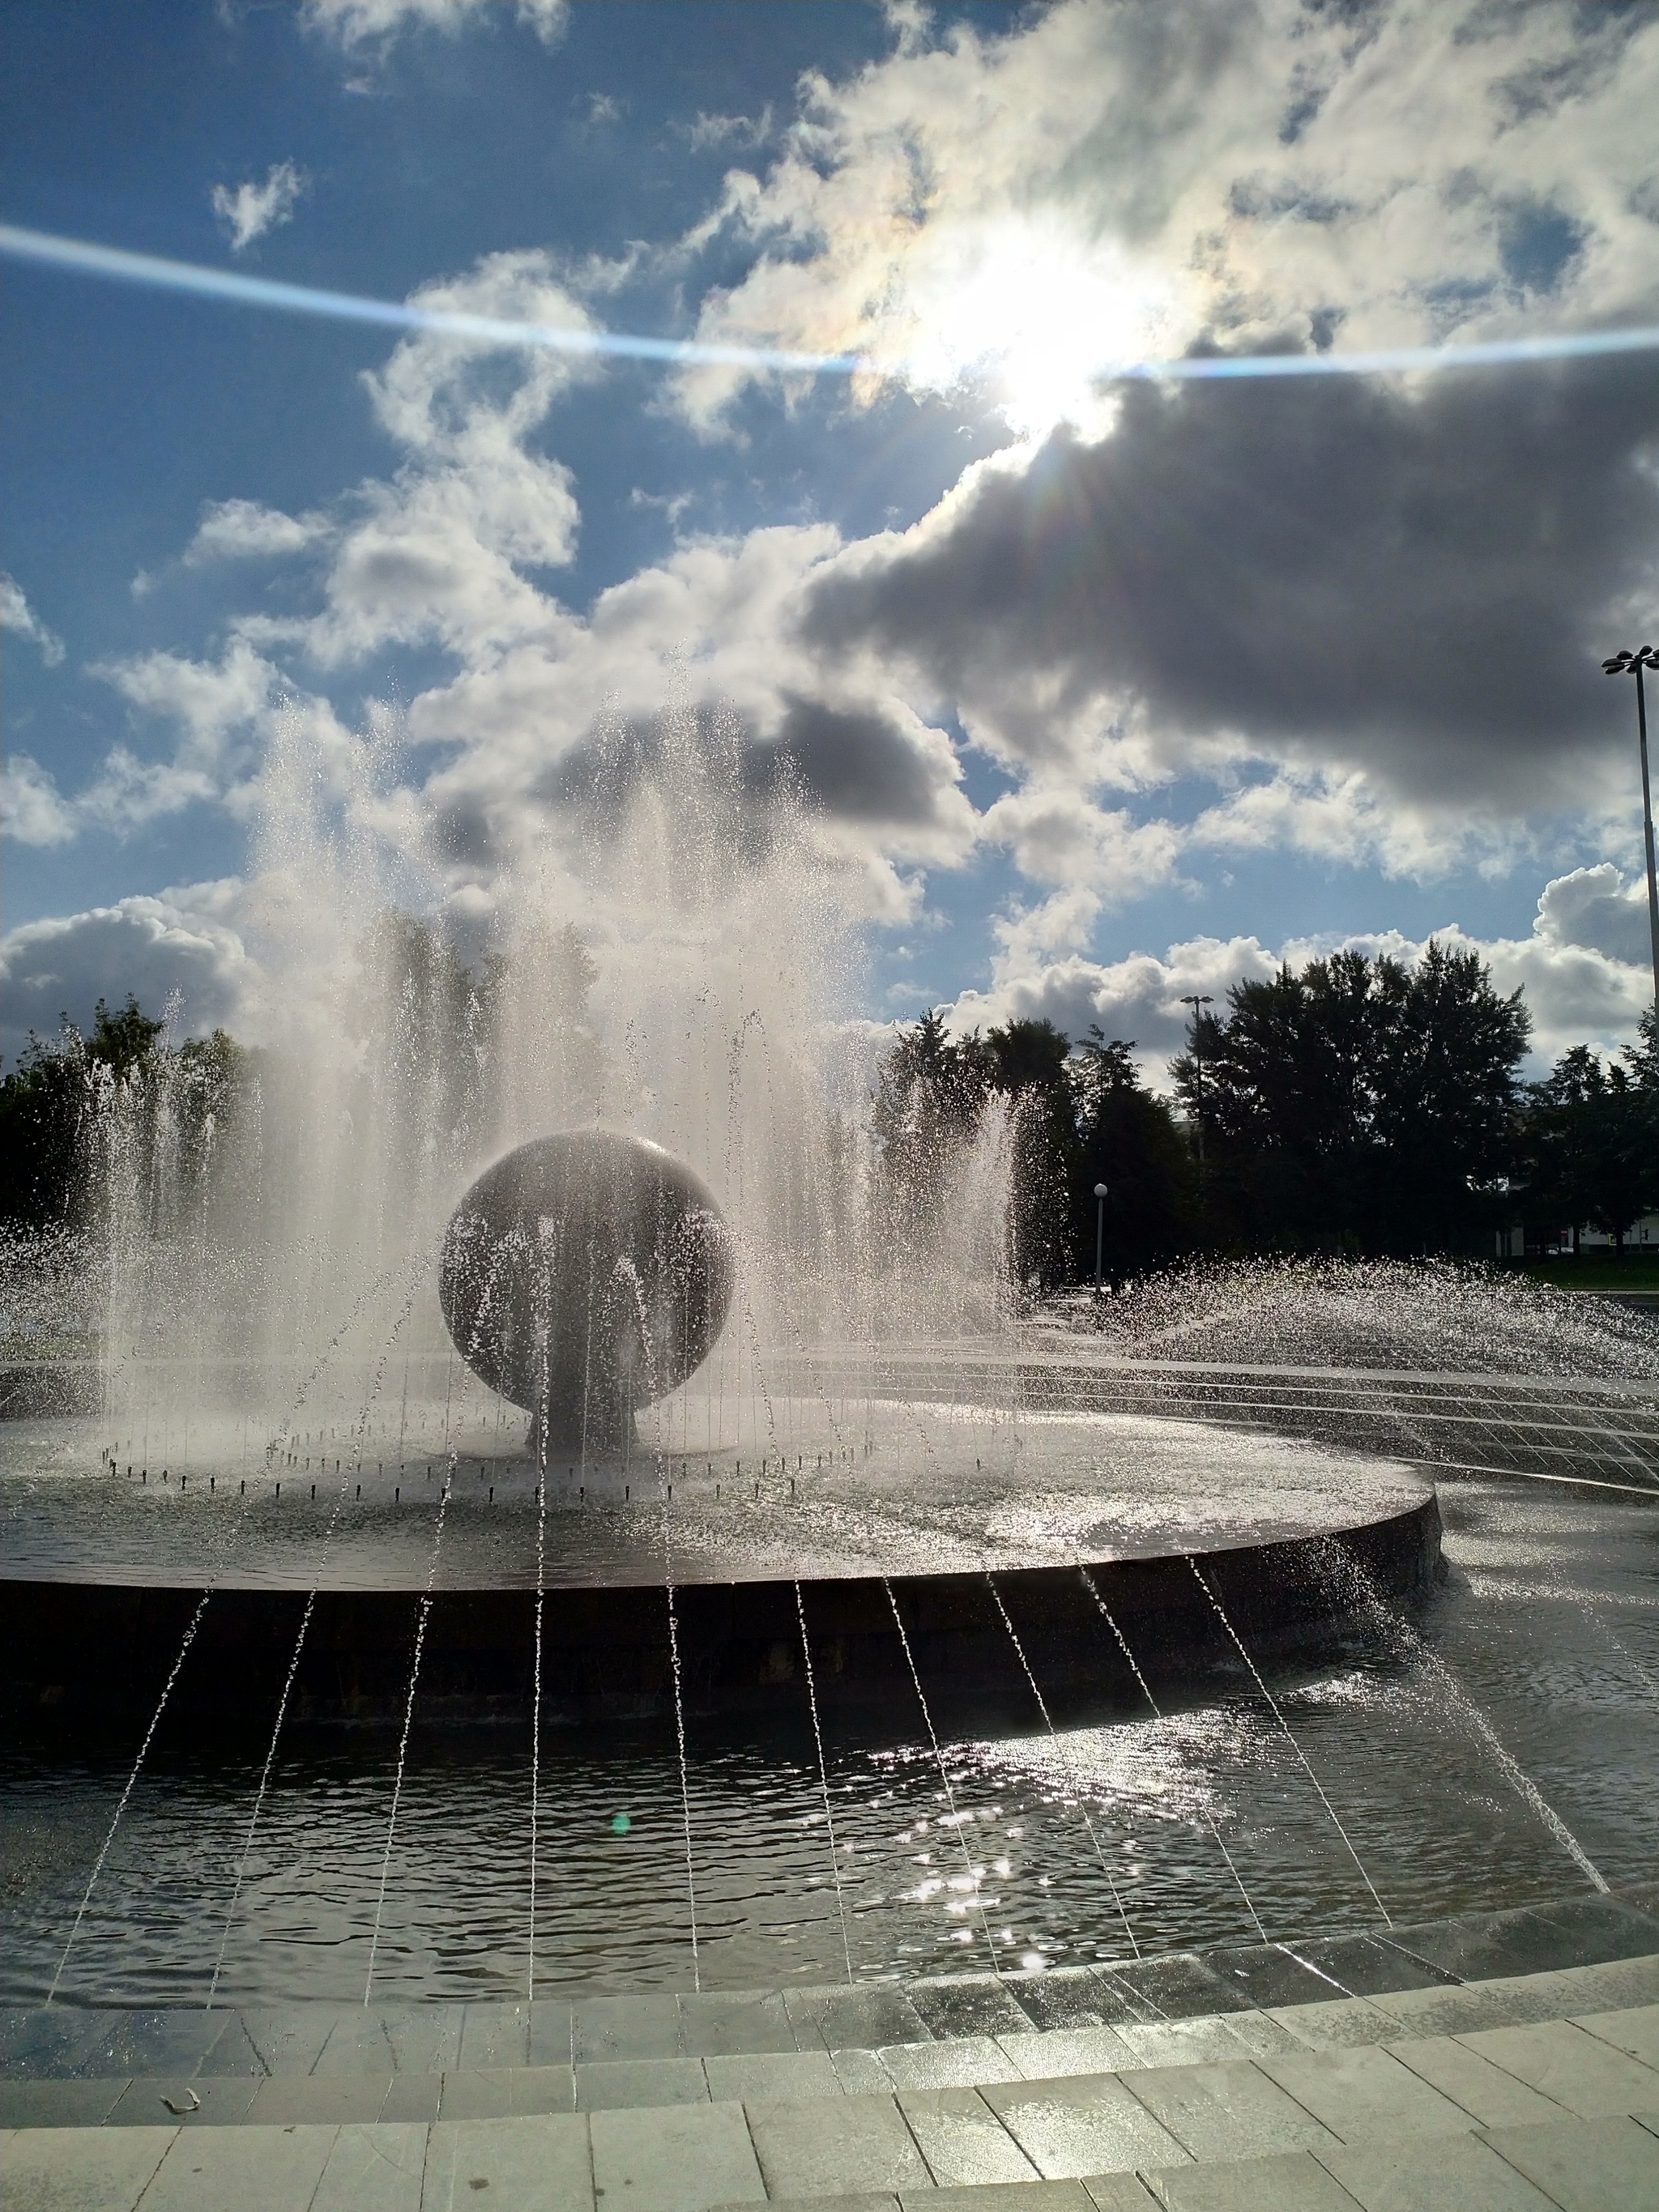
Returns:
(766,2075)
(506,2164)
(1454,2174)
(211,2169)
(967,2005)
(809,2149)
(633,2084)
(1363,2094)
(1577,2071)
(1087,2123)
(1491,2098)
(500,2092)
(1590,2165)
(679,2160)
(83,2170)
(1059,2051)
(377,2169)
(721,2026)
(1225,2112)
(1633,2029)
(961,2139)
(178,2103)
(1292,2181)
(957,2065)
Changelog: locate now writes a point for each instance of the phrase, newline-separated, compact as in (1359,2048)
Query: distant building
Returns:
(1527,1241)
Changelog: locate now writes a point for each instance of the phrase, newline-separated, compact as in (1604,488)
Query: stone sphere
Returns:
(585,1275)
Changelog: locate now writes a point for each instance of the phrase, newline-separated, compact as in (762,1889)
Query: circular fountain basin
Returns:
(968,1528)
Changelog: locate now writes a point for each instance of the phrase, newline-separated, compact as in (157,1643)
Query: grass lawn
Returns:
(1593,1270)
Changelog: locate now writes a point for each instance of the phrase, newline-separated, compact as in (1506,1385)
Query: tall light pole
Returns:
(1198,1000)
(1100,1231)
(1631,664)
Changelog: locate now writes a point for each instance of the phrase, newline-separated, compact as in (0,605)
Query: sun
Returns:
(1036,319)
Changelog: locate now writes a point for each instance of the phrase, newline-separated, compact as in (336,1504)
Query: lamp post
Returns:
(1198,1000)
(1100,1231)
(1627,663)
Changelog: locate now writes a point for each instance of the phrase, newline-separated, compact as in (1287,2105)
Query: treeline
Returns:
(1357,1105)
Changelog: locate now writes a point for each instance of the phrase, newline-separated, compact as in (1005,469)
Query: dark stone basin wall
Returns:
(75,1654)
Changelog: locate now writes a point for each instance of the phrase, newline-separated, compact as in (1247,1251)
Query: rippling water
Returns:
(1078,1847)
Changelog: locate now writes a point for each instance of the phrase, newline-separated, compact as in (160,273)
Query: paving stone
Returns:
(1453,2173)
(54,2103)
(721,2026)
(1225,2112)
(1007,2196)
(148,2042)
(509,2164)
(966,2005)
(1180,1986)
(768,2075)
(860,2073)
(1634,2030)
(813,2148)
(627,2084)
(866,2200)
(413,2097)
(1607,1988)
(1342,2025)
(178,2103)
(1477,1945)
(37,2041)
(552,2032)
(1057,2050)
(489,2093)
(423,2039)
(377,2169)
(319,2100)
(677,2161)
(1268,1974)
(1606,1928)
(254,2169)
(1258,2031)
(1585,2166)
(958,2064)
(495,2035)
(359,2042)
(1117,2192)
(1291,2182)
(1364,1964)
(861,2019)
(1578,2071)
(288,2038)
(965,2143)
(626,2028)
(1445,2012)
(1087,2123)
(80,2169)
(1363,2094)
(1488,2094)
(1184,2043)
(1065,1997)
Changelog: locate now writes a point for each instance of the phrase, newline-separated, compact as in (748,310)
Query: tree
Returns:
(930,1093)
(1026,1061)
(1358,1105)
(1130,1141)
(1590,1142)
(46,1103)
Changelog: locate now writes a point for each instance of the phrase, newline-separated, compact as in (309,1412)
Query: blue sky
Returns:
(1101,699)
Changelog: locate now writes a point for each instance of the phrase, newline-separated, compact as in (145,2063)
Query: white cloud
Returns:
(33,810)
(1583,971)
(356,23)
(184,939)
(17,616)
(248,210)
(1101,181)
(243,530)
(436,555)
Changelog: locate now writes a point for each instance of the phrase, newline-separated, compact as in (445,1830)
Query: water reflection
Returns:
(1550,1622)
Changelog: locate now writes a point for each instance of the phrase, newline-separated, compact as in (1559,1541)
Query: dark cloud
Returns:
(1416,583)
(858,765)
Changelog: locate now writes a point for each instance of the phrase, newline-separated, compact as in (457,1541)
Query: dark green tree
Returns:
(45,1105)
(1590,1144)
(930,1093)
(1131,1141)
(1026,1061)
(1358,1105)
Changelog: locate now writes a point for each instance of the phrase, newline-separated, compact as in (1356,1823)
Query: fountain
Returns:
(810,1514)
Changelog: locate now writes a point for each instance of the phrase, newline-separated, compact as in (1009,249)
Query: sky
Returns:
(1103,691)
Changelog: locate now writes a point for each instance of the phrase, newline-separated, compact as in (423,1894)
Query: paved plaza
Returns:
(1389,2073)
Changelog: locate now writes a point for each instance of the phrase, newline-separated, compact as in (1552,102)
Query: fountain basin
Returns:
(104,1571)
